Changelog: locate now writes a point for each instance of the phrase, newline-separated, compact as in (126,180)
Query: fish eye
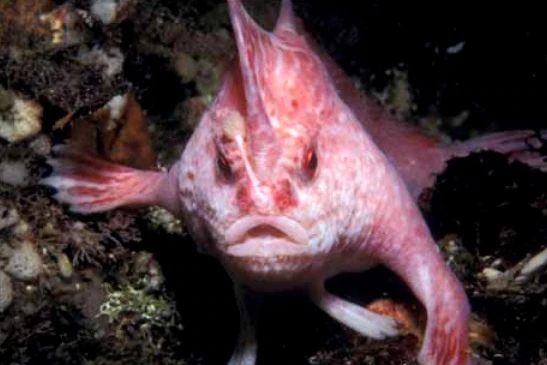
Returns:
(223,165)
(309,163)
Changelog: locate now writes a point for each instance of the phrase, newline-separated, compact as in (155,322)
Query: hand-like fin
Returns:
(362,320)
(89,184)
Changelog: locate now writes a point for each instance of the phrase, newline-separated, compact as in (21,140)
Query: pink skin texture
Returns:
(293,176)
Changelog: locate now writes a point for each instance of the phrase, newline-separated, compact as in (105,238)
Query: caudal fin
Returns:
(89,184)
(526,146)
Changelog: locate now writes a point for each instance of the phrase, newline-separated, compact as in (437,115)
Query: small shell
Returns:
(65,266)
(535,264)
(492,275)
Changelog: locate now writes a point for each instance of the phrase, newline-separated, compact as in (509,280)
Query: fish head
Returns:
(276,161)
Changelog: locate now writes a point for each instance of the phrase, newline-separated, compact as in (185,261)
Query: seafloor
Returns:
(130,287)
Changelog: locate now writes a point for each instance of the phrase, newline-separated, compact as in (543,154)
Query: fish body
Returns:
(291,177)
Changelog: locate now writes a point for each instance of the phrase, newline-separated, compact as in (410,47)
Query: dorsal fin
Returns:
(286,20)
(253,45)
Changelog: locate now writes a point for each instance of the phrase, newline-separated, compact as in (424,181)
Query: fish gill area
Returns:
(131,78)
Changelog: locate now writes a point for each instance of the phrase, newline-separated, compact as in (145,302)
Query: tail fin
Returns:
(526,146)
(89,184)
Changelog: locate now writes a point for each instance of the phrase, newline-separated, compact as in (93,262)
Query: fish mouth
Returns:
(266,236)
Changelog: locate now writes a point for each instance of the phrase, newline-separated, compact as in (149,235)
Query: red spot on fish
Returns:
(243,198)
(284,195)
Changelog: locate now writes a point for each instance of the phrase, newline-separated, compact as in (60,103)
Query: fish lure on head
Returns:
(291,177)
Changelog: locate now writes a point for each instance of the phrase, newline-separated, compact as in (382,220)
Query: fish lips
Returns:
(266,236)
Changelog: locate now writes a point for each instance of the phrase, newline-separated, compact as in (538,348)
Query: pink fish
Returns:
(292,177)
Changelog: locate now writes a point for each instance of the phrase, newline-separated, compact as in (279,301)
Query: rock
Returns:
(208,77)
(110,60)
(186,67)
(533,266)
(162,218)
(20,118)
(6,291)
(25,262)
(41,145)
(112,11)
(8,217)
(190,111)
(104,10)
(68,25)
(14,172)
(21,230)
(120,133)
